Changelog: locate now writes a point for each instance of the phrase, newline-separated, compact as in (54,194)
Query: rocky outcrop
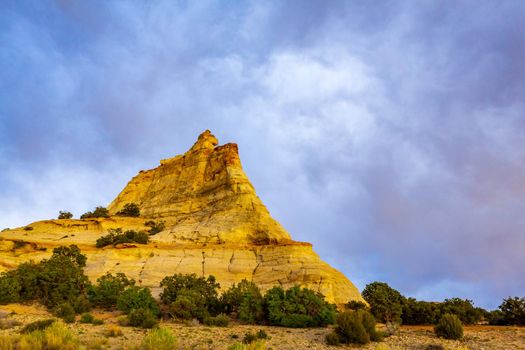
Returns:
(214,224)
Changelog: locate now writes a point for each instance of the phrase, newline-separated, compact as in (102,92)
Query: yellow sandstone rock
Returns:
(214,225)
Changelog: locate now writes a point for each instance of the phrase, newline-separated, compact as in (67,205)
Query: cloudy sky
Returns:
(390,134)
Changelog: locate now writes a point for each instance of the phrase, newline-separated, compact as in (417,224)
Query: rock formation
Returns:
(214,224)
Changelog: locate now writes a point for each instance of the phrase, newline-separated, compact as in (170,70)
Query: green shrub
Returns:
(189,296)
(155,227)
(463,309)
(244,301)
(298,307)
(350,328)
(420,312)
(65,311)
(354,327)
(159,339)
(86,318)
(37,325)
(220,320)
(81,304)
(28,228)
(108,288)
(135,297)
(116,236)
(385,302)
(9,288)
(143,318)
(130,209)
(356,305)
(99,212)
(332,339)
(249,338)
(64,215)
(449,327)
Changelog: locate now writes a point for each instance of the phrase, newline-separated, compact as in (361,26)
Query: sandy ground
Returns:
(191,336)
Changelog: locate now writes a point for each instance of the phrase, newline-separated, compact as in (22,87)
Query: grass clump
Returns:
(449,327)
(256,345)
(159,339)
(54,336)
(113,331)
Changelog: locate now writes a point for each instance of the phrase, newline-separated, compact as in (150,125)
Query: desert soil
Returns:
(191,336)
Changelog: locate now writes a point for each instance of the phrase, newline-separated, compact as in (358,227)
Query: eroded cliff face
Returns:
(214,224)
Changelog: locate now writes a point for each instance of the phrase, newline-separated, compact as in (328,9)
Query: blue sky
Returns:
(390,134)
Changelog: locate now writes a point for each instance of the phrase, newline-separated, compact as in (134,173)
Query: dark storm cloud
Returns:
(397,128)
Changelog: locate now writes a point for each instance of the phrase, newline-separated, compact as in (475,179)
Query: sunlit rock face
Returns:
(214,224)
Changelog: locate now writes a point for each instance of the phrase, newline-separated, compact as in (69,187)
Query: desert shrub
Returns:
(356,305)
(513,311)
(37,325)
(108,288)
(135,297)
(298,307)
(65,311)
(64,215)
(116,236)
(87,318)
(189,304)
(497,318)
(97,322)
(142,317)
(249,337)
(130,209)
(221,320)
(159,339)
(155,227)
(9,288)
(350,329)
(332,339)
(420,312)
(463,309)
(244,301)
(8,323)
(356,327)
(19,244)
(449,327)
(385,302)
(196,297)
(28,228)
(99,212)
(81,304)
(53,281)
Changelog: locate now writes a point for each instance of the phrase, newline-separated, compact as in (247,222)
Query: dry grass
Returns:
(191,336)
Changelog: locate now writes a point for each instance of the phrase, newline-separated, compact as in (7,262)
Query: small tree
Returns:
(513,311)
(245,301)
(385,302)
(64,215)
(99,212)
(135,297)
(130,209)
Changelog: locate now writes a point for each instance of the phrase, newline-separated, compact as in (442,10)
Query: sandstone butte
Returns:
(215,224)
